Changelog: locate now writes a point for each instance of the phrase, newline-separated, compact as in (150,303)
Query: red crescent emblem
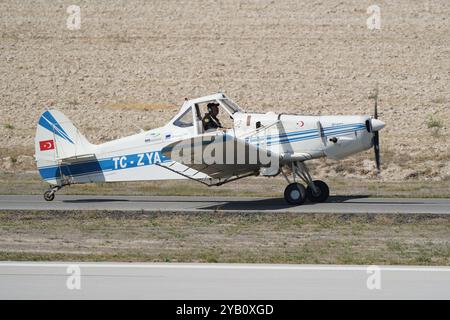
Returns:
(46,145)
(300,123)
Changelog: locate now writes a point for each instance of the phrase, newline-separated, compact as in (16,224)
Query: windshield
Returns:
(229,105)
(185,120)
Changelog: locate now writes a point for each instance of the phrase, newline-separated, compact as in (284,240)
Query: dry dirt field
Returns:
(133,62)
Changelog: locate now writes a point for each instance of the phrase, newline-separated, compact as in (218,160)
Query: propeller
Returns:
(376,126)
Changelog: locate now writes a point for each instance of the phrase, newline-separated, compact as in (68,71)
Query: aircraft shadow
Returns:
(243,205)
(265,204)
(280,203)
(270,204)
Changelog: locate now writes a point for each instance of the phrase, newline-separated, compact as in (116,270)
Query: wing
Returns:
(219,157)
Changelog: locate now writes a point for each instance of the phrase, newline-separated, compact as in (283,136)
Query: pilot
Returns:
(210,120)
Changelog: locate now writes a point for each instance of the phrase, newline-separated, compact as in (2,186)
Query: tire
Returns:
(295,193)
(49,195)
(324,192)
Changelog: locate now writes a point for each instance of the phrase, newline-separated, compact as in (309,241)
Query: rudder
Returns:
(57,139)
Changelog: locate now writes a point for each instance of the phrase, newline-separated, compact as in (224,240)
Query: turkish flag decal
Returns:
(47,145)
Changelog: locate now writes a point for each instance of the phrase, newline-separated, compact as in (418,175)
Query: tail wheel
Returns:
(322,192)
(49,195)
(295,193)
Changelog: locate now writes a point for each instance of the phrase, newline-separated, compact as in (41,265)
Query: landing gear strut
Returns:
(296,193)
(49,195)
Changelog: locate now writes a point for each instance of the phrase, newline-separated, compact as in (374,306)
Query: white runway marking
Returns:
(223,266)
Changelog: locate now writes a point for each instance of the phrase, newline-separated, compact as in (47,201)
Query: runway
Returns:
(219,281)
(335,204)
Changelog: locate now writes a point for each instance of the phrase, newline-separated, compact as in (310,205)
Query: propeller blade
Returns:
(376,148)
(375,114)
(376,126)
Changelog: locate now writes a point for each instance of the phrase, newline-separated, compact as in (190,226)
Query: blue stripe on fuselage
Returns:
(316,136)
(103,165)
(309,131)
(306,134)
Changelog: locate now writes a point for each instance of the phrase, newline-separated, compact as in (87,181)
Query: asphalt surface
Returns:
(336,204)
(219,281)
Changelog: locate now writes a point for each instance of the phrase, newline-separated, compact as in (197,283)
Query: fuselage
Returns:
(136,157)
(314,136)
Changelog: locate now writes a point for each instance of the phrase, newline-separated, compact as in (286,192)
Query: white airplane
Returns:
(211,140)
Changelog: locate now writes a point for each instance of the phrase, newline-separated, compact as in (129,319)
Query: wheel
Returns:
(295,193)
(49,195)
(323,194)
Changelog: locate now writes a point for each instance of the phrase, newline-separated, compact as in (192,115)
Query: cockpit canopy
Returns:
(196,112)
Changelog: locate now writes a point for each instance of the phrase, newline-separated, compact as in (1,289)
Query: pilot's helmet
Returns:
(213,108)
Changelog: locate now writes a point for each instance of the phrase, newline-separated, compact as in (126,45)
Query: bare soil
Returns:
(133,62)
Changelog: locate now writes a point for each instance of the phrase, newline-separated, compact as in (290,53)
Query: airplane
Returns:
(210,140)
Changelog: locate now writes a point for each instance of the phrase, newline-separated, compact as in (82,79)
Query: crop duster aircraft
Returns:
(212,141)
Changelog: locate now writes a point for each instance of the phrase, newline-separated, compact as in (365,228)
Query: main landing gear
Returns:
(296,193)
(49,195)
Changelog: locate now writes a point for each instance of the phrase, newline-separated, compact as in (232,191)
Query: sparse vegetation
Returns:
(434,123)
(8,126)
(30,183)
(216,237)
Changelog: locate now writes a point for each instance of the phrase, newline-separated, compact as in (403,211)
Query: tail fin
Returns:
(57,138)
